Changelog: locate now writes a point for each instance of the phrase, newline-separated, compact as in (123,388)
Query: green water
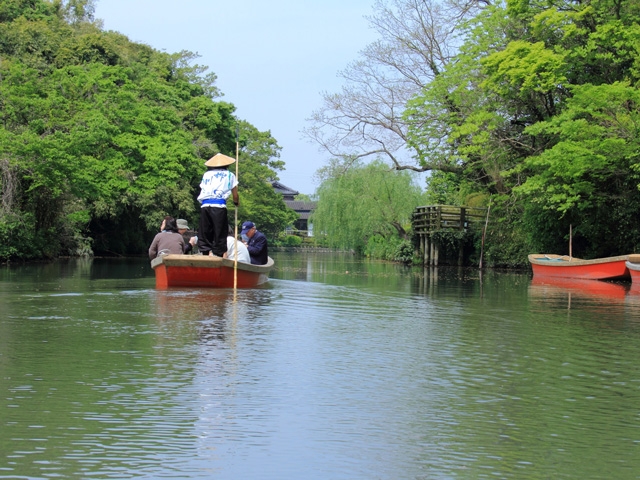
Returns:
(337,369)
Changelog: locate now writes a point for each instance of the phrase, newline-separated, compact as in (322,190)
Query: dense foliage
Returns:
(532,106)
(101,137)
(541,111)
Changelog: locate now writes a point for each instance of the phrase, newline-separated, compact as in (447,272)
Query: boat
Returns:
(608,268)
(207,271)
(633,264)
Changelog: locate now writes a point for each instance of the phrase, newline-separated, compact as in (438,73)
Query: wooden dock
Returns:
(437,218)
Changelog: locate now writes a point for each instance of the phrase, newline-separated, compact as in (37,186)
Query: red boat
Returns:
(608,268)
(633,264)
(206,271)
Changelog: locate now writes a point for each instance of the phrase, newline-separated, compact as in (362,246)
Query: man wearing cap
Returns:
(217,184)
(189,240)
(256,244)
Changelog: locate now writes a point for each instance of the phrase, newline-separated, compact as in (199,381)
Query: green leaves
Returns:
(523,67)
(540,109)
(363,201)
(103,135)
(597,148)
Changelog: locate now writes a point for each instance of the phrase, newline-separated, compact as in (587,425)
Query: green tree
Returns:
(537,110)
(589,178)
(101,137)
(364,201)
(259,159)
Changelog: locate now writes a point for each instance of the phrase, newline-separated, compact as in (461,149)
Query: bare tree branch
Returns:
(418,38)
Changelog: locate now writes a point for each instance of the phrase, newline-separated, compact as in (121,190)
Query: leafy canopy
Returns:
(102,137)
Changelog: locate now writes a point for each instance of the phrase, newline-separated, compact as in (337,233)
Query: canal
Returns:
(338,368)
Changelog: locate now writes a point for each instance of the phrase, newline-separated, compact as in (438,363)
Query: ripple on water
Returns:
(309,379)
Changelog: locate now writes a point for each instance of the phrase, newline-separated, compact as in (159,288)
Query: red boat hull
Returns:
(208,272)
(633,264)
(563,266)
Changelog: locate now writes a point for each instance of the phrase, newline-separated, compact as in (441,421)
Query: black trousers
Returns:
(212,230)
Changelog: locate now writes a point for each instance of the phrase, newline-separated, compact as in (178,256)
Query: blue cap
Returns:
(246,226)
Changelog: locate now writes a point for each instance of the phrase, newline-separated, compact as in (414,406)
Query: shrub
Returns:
(293,241)
(17,240)
(394,249)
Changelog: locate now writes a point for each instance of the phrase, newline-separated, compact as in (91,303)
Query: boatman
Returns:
(217,184)
(256,243)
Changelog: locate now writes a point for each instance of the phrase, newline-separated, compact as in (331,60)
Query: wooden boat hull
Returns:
(633,264)
(205,271)
(608,268)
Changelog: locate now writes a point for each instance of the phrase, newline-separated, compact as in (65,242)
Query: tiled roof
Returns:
(300,206)
(283,189)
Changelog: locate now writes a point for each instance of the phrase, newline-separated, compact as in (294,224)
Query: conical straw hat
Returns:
(219,160)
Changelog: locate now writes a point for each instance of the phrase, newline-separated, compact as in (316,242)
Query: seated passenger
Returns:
(188,236)
(243,253)
(256,244)
(168,240)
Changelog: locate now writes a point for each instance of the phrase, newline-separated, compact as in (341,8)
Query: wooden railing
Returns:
(299,233)
(429,219)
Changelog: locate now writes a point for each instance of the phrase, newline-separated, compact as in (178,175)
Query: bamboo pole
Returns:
(570,241)
(235,231)
(484,233)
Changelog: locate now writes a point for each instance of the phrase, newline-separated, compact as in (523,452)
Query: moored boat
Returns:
(207,271)
(633,264)
(608,268)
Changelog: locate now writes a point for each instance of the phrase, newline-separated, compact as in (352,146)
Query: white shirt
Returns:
(216,185)
(243,255)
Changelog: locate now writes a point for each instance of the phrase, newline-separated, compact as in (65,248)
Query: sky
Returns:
(273,59)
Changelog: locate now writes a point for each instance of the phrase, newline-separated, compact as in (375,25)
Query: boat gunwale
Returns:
(206,261)
(554,260)
(634,258)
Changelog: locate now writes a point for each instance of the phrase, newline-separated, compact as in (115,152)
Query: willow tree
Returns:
(357,202)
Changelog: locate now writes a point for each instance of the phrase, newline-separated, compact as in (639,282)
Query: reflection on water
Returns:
(337,368)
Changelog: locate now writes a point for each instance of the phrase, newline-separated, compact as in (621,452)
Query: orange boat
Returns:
(633,264)
(206,271)
(608,268)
